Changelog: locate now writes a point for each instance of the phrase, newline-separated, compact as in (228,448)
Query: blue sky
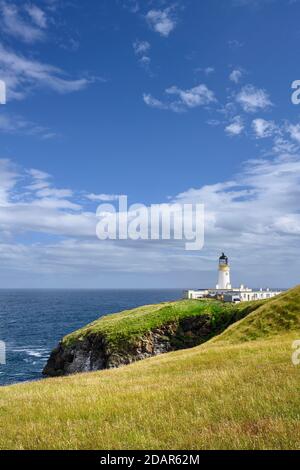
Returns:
(162,101)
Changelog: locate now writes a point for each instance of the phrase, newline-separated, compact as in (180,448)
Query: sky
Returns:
(163,101)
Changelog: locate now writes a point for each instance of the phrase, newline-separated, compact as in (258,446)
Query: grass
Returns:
(235,396)
(125,327)
(237,391)
(276,316)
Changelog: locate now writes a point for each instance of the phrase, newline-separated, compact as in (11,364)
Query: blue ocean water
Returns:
(33,321)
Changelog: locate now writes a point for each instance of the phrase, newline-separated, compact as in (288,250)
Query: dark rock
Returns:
(93,353)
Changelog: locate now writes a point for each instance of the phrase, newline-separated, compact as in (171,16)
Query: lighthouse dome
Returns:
(223,259)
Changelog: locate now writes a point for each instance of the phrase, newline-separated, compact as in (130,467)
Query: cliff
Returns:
(126,337)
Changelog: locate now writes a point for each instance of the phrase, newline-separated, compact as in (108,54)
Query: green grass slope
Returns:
(238,392)
(131,324)
(276,316)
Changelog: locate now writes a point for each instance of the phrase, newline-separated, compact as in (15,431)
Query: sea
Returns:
(33,321)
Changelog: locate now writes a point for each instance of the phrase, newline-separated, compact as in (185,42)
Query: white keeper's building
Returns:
(226,292)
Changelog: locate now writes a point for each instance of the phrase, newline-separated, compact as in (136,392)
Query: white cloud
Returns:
(194,97)
(162,21)
(236,76)
(263,128)
(236,127)
(37,15)
(53,192)
(209,70)
(29,202)
(284,146)
(149,100)
(200,95)
(253,99)
(8,178)
(141,47)
(103,197)
(16,25)
(14,124)
(21,75)
(44,194)
(141,50)
(145,61)
(206,70)
(38,174)
(235,44)
(294,131)
(55,204)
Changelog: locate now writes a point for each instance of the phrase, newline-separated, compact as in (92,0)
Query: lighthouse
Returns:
(224,290)
(224,273)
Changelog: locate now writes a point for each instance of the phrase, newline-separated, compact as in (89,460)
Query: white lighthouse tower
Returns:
(224,273)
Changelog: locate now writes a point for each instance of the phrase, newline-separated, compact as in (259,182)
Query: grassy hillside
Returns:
(239,391)
(131,324)
(277,316)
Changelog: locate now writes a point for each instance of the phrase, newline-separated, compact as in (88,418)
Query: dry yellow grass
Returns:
(215,396)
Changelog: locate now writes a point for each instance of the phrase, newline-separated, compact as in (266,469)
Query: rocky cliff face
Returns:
(94,352)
